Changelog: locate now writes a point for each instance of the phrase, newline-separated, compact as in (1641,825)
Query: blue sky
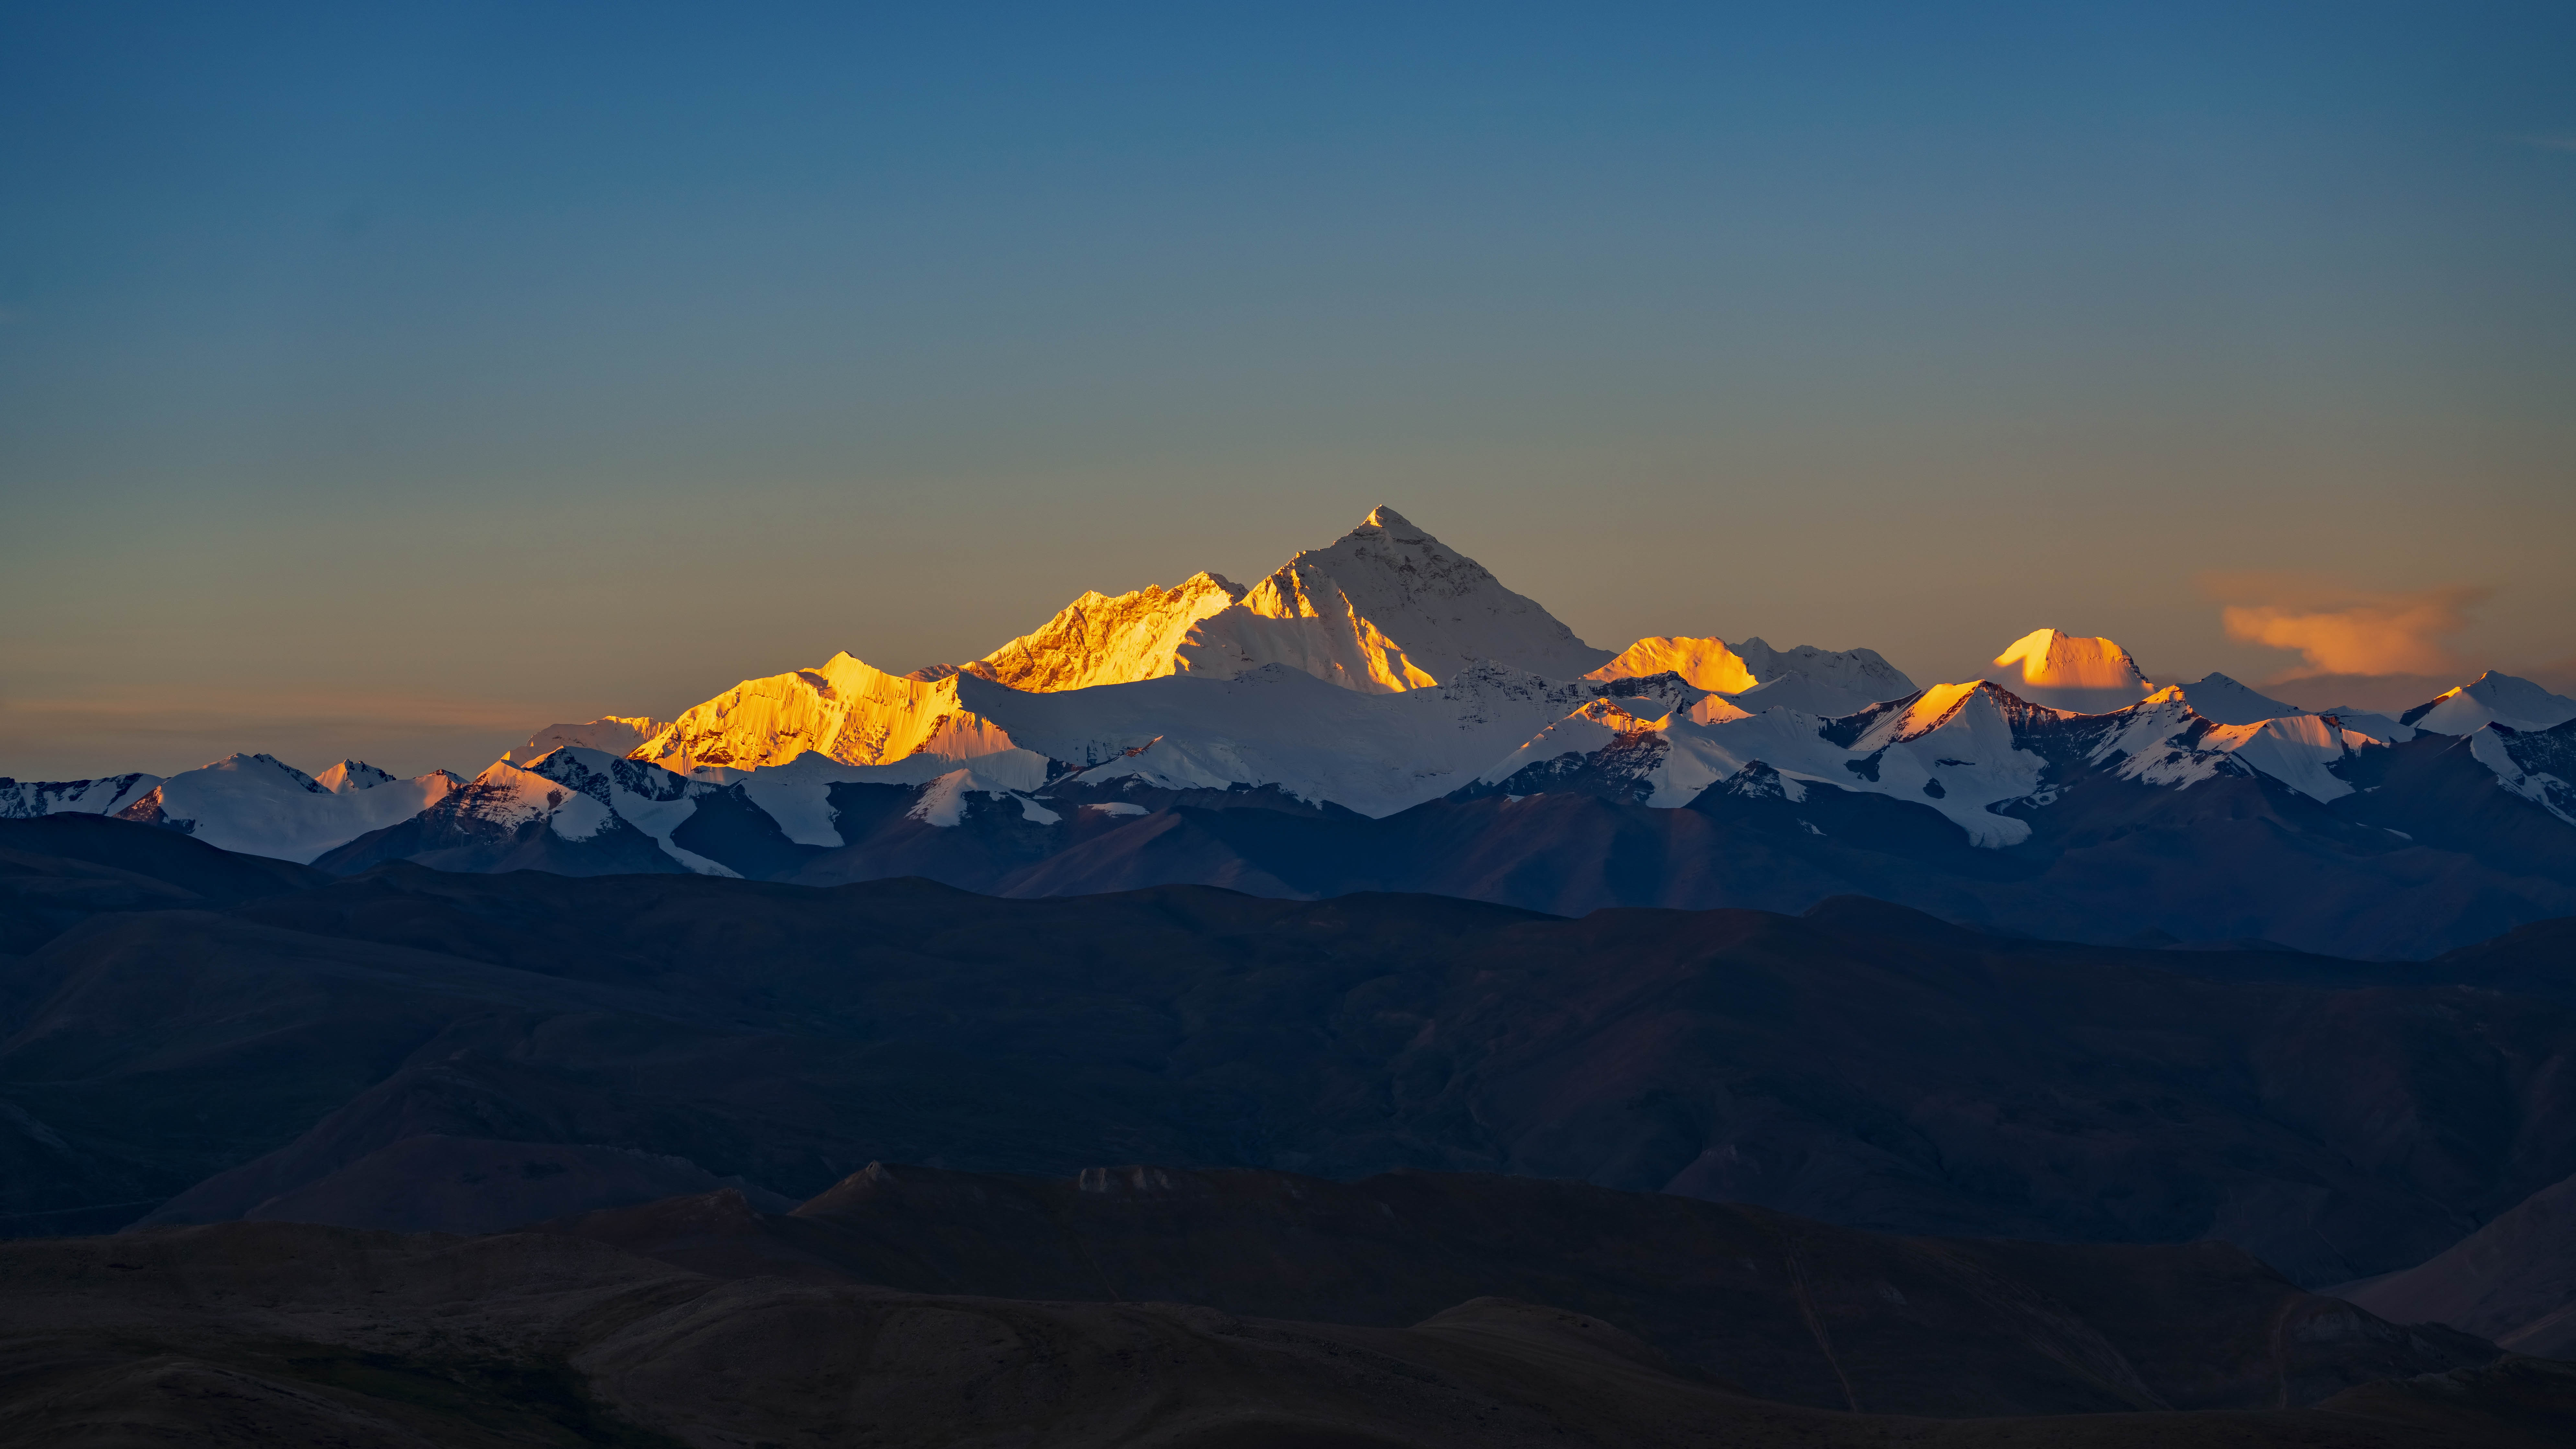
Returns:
(392,385)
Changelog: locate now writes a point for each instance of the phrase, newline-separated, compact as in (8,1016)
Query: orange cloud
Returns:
(2340,631)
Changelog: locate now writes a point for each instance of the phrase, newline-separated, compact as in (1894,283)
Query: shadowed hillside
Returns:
(345,1050)
(894,1309)
(1768,1305)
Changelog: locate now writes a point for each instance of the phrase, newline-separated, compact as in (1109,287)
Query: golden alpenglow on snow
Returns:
(845,709)
(1702,663)
(1097,639)
(2063,671)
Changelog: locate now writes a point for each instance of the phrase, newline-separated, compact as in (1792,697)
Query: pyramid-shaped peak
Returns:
(2496,684)
(1388,538)
(1388,534)
(2223,700)
(350,775)
(2052,657)
(1392,549)
(2493,697)
(2088,675)
(1919,714)
(1382,609)
(1702,663)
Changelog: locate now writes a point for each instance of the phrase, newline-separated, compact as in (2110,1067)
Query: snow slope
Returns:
(2377,726)
(2538,765)
(797,794)
(260,805)
(1371,753)
(789,738)
(1818,681)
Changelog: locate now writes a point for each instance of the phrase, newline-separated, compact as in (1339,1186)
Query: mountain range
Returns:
(754,1161)
(1384,713)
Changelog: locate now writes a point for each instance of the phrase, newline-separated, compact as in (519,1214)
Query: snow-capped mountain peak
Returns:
(2491,698)
(1755,676)
(1384,609)
(266,770)
(1382,672)
(260,805)
(2068,672)
(1098,639)
(2225,701)
(2164,741)
(619,734)
(1983,704)
(1822,682)
(581,795)
(845,709)
(1956,749)
(1387,609)
(1702,663)
(508,794)
(350,775)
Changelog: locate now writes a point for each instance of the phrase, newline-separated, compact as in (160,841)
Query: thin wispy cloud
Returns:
(2341,631)
(126,733)
(254,710)
(2547,143)
(113,732)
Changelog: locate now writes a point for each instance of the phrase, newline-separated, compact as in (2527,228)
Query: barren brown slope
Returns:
(2513,1280)
(1865,1064)
(1771,1306)
(291,1336)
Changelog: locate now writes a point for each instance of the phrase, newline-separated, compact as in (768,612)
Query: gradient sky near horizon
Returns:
(390,384)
